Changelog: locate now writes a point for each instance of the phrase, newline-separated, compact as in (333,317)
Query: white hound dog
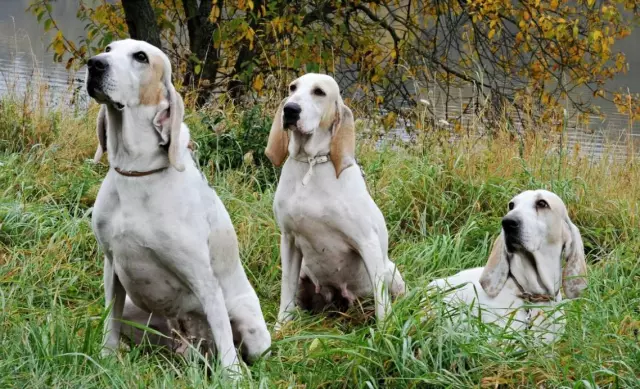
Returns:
(524,272)
(334,239)
(169,246)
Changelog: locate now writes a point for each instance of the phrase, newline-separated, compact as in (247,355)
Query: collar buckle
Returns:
(312,161)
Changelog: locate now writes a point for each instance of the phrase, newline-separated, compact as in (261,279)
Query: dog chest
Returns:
(150,284)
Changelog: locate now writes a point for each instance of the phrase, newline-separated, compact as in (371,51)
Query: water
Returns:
(24,58)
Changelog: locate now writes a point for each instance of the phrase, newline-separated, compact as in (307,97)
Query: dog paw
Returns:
(234,372)
(107,351)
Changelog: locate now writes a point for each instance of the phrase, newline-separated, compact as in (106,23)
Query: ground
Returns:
(442,202)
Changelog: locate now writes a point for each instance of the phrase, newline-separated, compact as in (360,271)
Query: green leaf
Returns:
(313,68)
(197,69)
(47,25)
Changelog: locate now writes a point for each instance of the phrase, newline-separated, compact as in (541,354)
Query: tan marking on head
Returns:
(330,117)
(151,87)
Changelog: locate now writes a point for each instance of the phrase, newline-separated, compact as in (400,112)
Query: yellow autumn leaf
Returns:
(58,44)
(597,34)
(250,34)
(491,33)
(554,4)
(215,13)
(590,3)
(258,83)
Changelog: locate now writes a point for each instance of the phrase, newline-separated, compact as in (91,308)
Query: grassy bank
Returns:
(442,203)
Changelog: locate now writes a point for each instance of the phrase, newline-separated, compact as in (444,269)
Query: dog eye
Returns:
(108,49)
(319,92)
(511,205)
(140,57)
(292,87)
(542,204)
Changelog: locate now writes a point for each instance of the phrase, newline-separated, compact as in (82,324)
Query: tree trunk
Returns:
(238,84)
(201,32)
(141,21)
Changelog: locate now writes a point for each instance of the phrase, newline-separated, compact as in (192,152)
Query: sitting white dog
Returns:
(168,242)
(524,272)
(334,243)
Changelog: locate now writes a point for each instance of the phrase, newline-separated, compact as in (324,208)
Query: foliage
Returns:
(442,203)
(392,51)
(224,143)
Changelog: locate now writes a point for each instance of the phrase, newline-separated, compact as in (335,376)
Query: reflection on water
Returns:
(25,62)
(24,59)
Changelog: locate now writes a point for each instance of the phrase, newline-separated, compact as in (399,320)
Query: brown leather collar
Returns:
(532,297)
(536,298)
(133,173)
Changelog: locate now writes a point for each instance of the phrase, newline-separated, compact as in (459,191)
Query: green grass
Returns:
(442,205)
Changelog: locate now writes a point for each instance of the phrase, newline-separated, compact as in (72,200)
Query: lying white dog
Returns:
(334,239)
(168,241)
(524,271)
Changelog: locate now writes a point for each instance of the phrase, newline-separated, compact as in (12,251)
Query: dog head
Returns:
(314,104)
(131,74)
(536,231)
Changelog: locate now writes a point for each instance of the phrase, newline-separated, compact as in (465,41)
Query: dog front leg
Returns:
(291,260)
(371,254)
(115,297)
(208,291)
(198,274)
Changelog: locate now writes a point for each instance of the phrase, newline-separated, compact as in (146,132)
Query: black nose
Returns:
(510,225)
(97,65)
(291,113)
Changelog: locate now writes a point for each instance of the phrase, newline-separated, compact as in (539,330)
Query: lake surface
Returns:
(24,58)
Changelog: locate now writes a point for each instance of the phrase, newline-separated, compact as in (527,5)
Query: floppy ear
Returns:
(278,143)
(574,275)
(176,116)
(101,132)
(496,271)
(168,122)
(343,139)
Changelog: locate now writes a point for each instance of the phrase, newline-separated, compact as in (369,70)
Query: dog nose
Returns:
(97,65)
(510,225)
(291,113)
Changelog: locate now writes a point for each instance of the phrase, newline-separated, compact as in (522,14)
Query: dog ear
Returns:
(495,273)
(168,122)
(574,275)
(101,132)
(278,143)
(176,116)
(343,139)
